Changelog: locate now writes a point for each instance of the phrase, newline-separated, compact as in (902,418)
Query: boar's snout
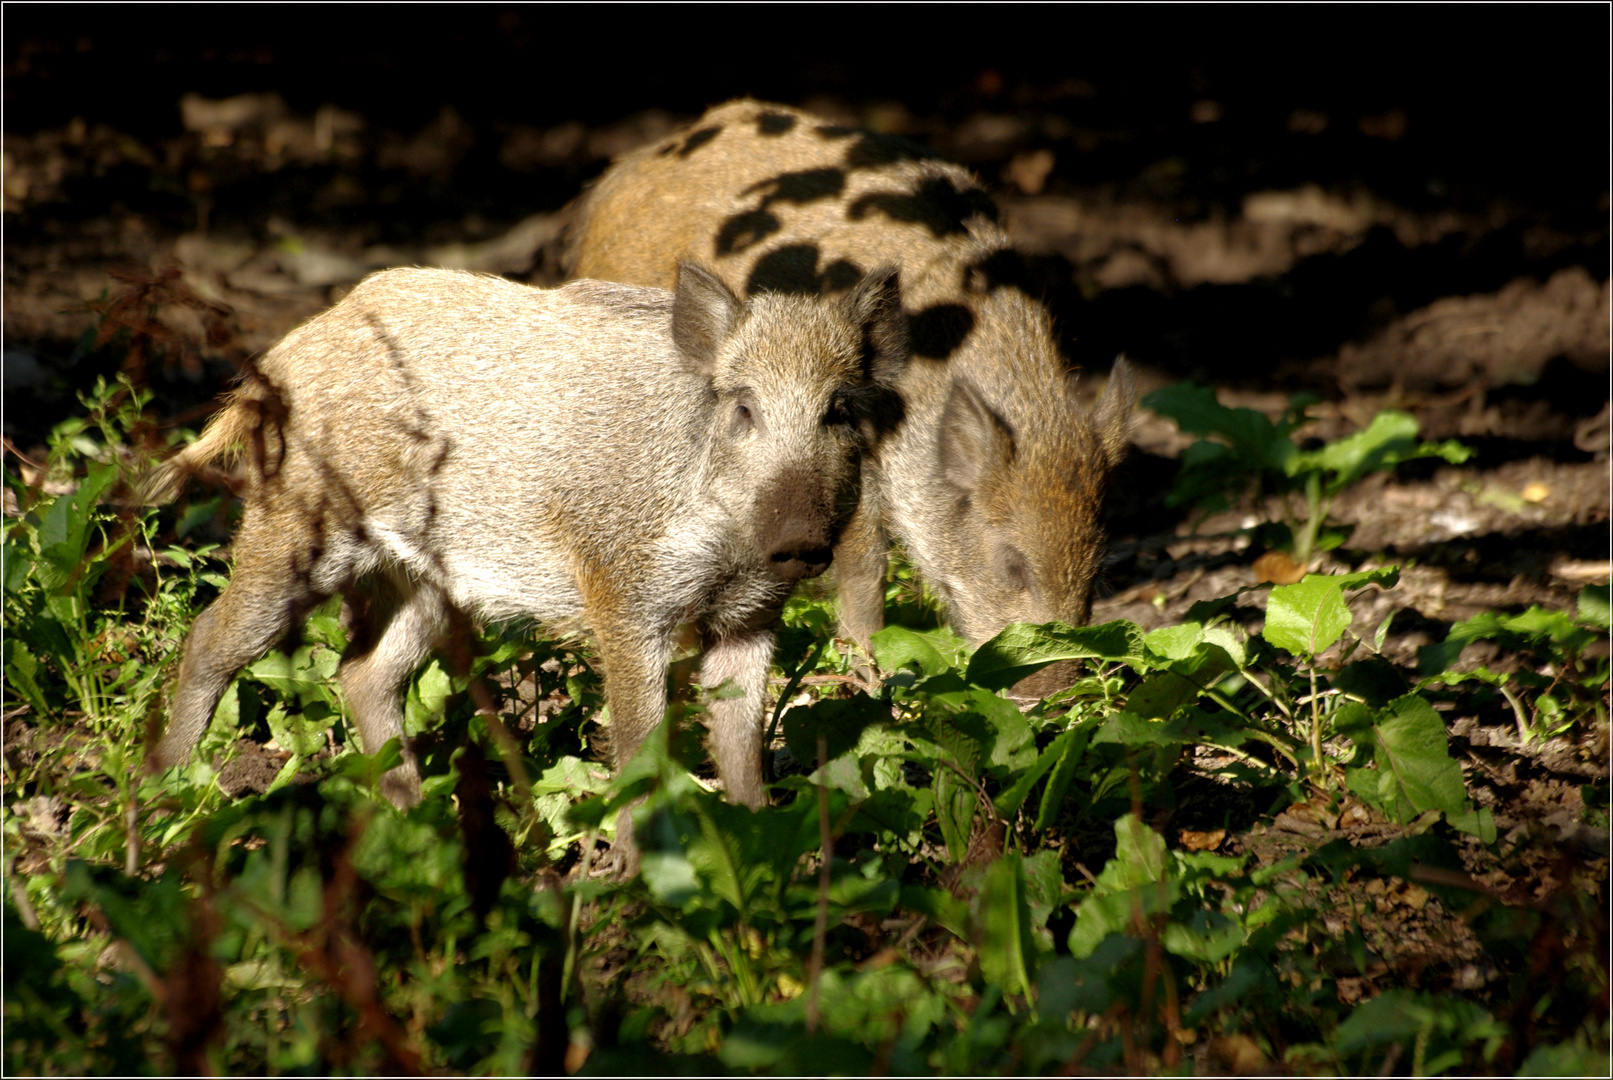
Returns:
(795,531)
(793,562)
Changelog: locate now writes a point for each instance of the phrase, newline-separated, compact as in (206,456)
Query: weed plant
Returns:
(946,881)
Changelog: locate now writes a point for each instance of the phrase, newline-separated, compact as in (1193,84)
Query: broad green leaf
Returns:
(1006,949)
(1593,606)
(68,526)
(18,561)
(1388,440)
(894,814)
(22,672)
(939,905)
(1414,771)
(428,693)
(1043,880)
(955,801)
(1022,649)
(1129,729)
(1132,883)
(1251,434)
(1159,695)
(841,722)
(1205,936)
(1537,629)
(1308,617)
(932,652)
(1479,823)
(1009,802)
(1192,640)
(1063,772)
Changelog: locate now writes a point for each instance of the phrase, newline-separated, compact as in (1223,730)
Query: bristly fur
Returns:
(781,200)
(441,445)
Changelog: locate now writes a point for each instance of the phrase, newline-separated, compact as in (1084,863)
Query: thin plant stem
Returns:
(820,927)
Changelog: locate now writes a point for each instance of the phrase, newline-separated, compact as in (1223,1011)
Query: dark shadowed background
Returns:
(1376,204)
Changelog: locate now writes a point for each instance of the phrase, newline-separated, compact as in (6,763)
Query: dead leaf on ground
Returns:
(1278,568)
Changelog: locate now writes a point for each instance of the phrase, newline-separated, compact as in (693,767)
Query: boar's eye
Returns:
(839,412)
(743,420)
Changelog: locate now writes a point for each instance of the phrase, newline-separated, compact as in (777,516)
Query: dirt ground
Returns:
(1360,247)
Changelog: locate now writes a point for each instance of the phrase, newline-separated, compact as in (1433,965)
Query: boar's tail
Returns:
(230,429)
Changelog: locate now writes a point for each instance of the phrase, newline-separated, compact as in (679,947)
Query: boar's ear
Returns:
(704,312)
(973,440)
(1111,417)
(876,305)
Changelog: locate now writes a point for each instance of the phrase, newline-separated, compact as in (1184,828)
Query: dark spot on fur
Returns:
(772,123)
(1005,268)
(937,331)
(938,205)
(742,230)
(839,275)
(807,185)
(871,151)
(745,229)
(697,139)
(792,268)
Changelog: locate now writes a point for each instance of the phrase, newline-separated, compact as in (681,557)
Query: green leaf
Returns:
(1593,606)
(22,672)
(1414,771)
(1022,649)
(1204,936)
(1009,802)
(1385,442)
(1479,823)
(67,527)
(18,561)
(1006,948)
(1536,629)
(955,801)
(428,693)
(932,652)
(1063,772)
(1252,436)
(1132,883)
(841,721)
(1308,617)
(939,905)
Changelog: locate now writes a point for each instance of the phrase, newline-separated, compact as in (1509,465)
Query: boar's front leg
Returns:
(736,721)
(635,666)
(860,562)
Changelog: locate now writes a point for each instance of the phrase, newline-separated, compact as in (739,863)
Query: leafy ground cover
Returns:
(1331,797)
(948,880)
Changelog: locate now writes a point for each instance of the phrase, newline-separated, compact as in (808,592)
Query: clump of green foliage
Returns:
(1242,451)
(946,882)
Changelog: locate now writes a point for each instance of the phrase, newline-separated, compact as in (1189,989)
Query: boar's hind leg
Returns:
(268,594)
(395,623)
(736,721)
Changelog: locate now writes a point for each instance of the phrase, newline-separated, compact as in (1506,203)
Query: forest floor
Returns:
(1488,322)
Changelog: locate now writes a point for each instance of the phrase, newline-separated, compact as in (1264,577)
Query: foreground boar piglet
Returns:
(638,458)
(995,482)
